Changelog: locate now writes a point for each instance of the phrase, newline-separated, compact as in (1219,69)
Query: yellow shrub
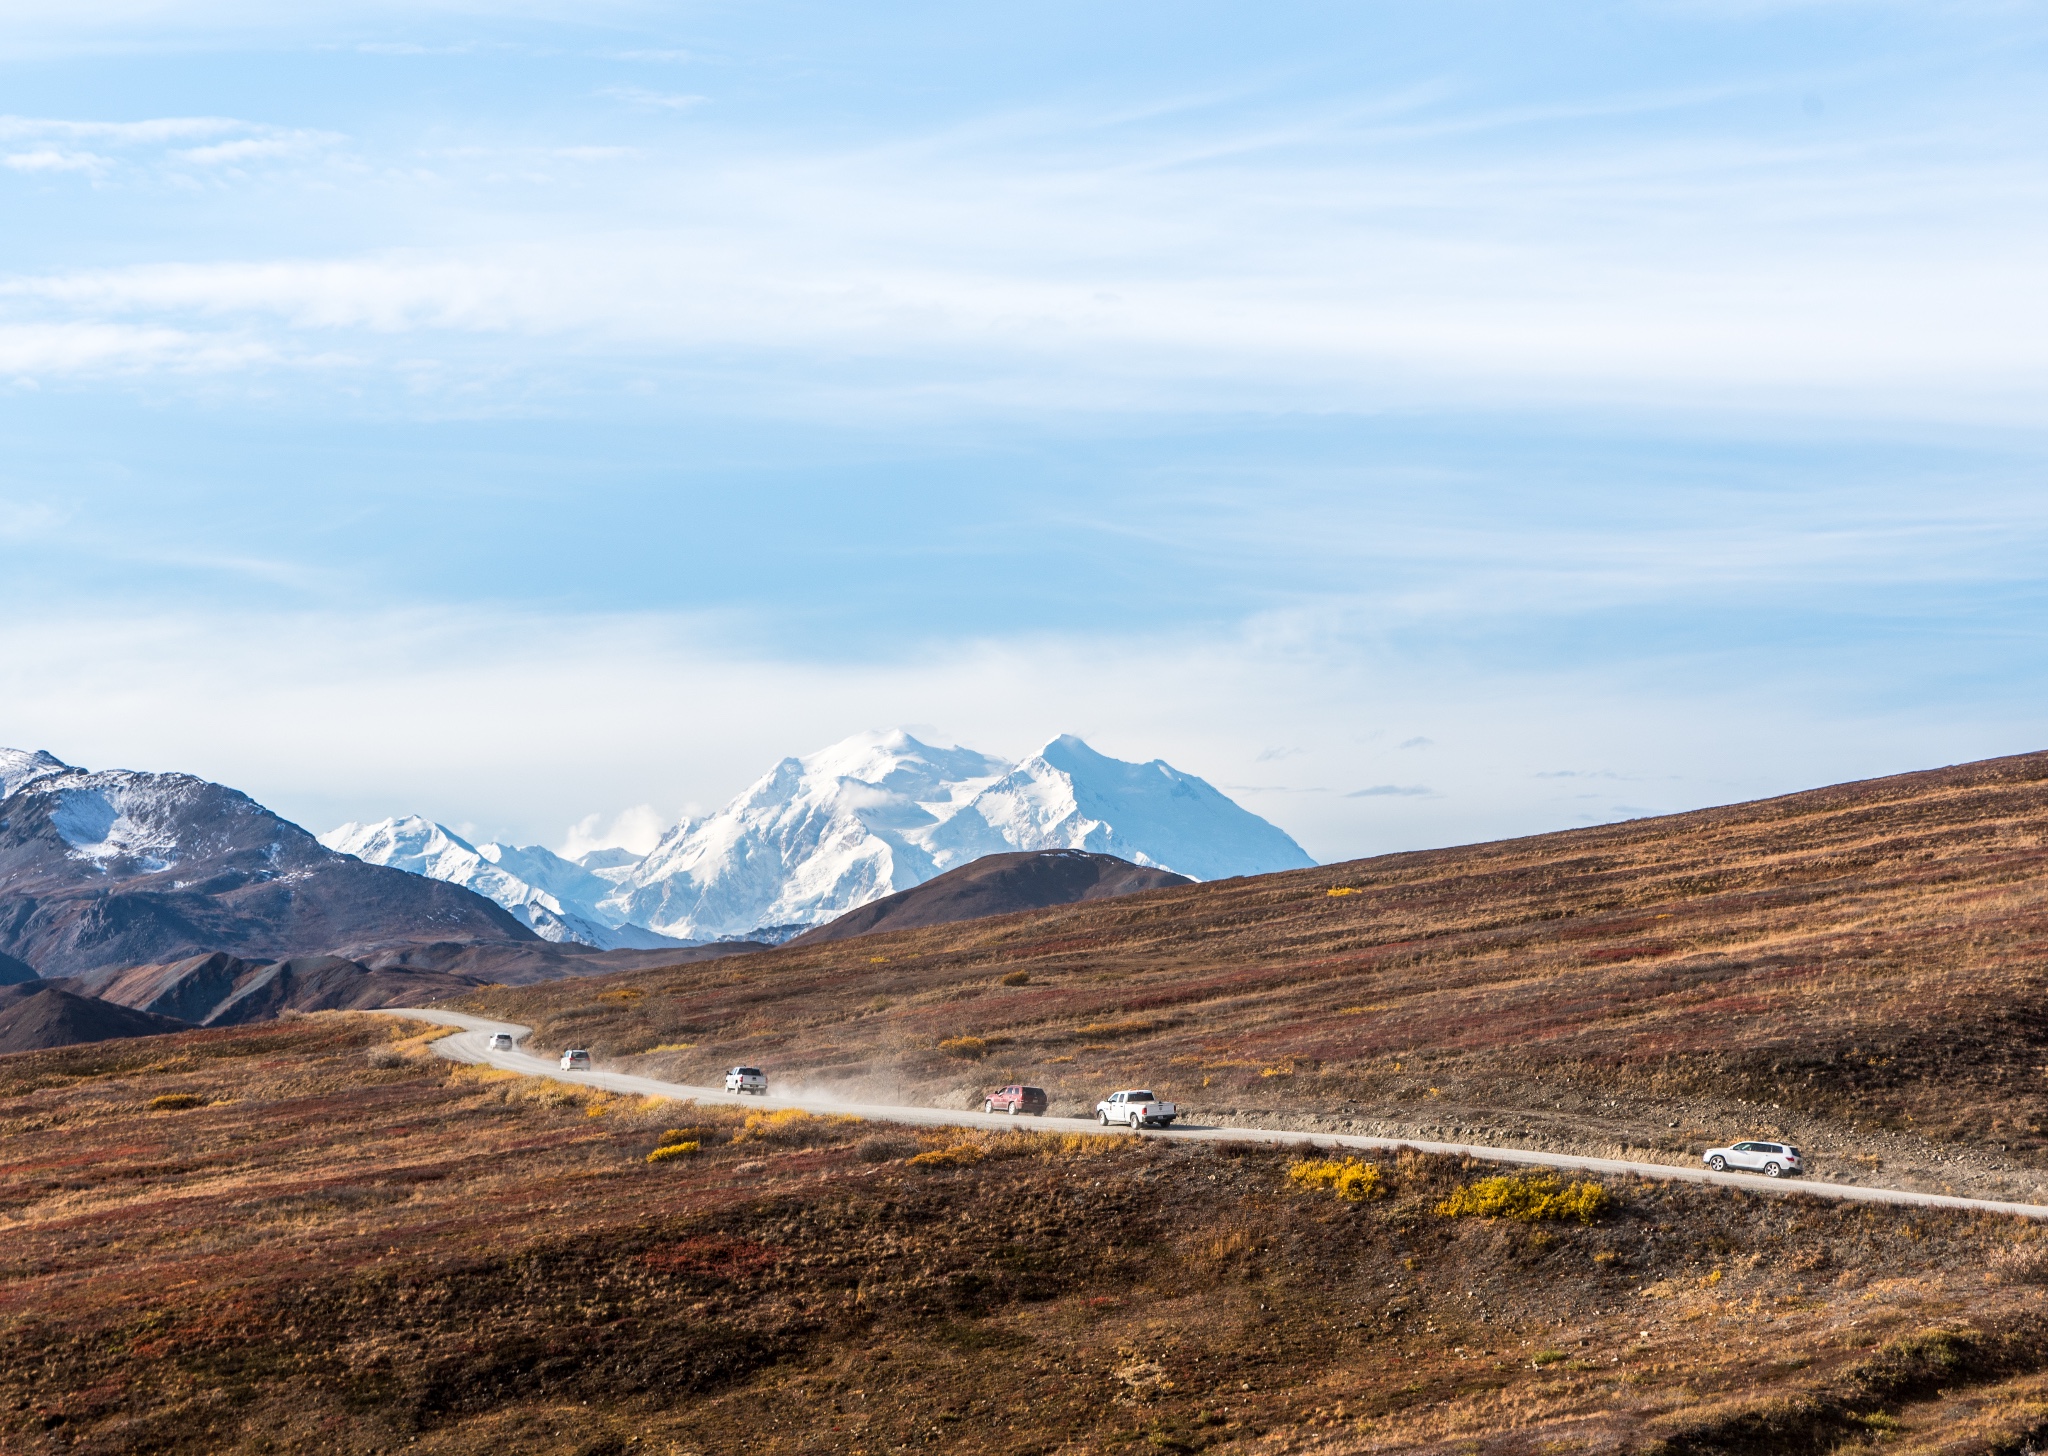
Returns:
(1344,890)
(1530,1197)
(175,1102)
(1017,978)
(768,1126)
(1349,1179)
(667,1151)
(672,1046)
(624,993)
(969,1047)
(960,1155)
(676,1135)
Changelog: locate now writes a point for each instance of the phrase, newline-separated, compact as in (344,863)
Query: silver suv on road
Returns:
(1773,1160)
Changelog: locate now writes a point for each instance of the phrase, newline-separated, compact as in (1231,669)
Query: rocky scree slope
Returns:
(1858,968)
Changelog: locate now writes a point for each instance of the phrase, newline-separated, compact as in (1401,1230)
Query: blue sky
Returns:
(1428,423)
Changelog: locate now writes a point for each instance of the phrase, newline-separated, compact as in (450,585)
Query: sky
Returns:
(1427,423)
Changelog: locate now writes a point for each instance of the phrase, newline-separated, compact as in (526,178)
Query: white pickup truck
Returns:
(1135,1109)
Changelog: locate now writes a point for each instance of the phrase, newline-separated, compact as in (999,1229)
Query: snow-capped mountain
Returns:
(556,898)
(118,868)
(1068,796)
(820,835)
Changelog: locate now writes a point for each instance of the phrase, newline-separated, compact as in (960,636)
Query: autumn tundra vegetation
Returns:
(317,1235)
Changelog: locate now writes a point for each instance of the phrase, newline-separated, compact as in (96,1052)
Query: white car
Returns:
(576,1060)
(1773,1160)
(746,1079)
(1135,1110)
(501,1041)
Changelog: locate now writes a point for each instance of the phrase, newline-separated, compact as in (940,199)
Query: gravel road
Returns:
(471,1045)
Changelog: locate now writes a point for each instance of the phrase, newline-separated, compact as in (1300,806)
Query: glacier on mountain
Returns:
(880,812)
(817,836)
(556,898)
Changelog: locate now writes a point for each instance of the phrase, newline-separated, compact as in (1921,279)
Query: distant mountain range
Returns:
(187,902)
(558,899)
(817,836)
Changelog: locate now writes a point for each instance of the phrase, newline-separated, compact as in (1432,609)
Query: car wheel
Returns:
(1718,1164)
(988,1107)
(1039,1113)
(1103,1117)
(1772,1170)
(1013,1109)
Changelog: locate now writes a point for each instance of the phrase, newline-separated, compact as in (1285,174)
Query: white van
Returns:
(576,1061)
(501,1041)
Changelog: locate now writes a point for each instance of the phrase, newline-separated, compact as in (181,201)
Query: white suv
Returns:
(1773,1160)
(501,1041)
(746,1079)
(577,1060)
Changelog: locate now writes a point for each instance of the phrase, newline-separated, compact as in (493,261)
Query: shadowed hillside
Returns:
(1864,968)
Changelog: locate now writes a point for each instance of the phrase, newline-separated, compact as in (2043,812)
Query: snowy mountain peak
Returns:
(880,812)
(816,836)
(19,768)
(552,896)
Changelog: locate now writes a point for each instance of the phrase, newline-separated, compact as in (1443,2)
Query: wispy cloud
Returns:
(51,160)
(157,131)
(243,150)
(654,100)
(1396,791)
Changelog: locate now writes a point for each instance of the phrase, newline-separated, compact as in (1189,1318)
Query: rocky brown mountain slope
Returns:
(1863,968)
(35,1014)
(998,884)
(117,869)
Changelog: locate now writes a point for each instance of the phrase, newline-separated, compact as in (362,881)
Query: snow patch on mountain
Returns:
(554,897)
(19,768)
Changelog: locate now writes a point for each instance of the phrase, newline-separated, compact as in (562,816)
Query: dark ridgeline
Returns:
(35,1014)
(998,884)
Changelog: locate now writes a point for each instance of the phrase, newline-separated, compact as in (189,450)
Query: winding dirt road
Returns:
(472,1045)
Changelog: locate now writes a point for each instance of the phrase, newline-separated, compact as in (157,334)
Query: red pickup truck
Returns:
(1014,1100)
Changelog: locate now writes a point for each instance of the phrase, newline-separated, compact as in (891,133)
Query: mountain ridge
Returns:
(872,815)
(116,868)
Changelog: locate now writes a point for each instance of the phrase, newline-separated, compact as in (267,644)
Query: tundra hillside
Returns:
(314,1235)
(1863,969)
